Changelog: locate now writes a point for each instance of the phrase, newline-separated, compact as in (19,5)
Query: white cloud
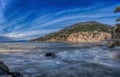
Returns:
(24,34)
(63,18)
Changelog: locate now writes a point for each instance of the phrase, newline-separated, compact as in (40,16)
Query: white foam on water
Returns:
(30,70)
(32,60)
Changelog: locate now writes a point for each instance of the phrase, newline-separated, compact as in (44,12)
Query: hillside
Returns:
(90,29)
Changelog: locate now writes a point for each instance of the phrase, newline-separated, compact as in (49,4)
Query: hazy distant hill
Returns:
(79,30)
(5,39)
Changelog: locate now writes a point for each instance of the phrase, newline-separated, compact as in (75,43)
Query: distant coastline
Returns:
(14,41)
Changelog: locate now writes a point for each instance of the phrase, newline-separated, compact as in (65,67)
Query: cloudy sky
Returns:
(26,19)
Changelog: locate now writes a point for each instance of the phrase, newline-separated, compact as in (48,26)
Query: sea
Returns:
(72,59)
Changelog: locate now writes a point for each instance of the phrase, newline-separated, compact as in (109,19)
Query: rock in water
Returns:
(16,74)
(118,56)
(49,54)
(111,44)
(4,70)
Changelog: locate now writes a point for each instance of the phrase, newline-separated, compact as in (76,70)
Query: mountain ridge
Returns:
(83,27)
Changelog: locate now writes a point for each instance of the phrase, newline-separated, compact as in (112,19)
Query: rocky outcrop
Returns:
(81,32)
(49,54)
(84,37)
(5,72)
(111,44)
(89,37)
(115,37)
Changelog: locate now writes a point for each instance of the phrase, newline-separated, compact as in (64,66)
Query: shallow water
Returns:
(73,59)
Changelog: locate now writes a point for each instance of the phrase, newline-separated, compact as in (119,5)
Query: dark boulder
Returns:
(4,70)
(16,74)
(111,44)
(117,56)
(49,54)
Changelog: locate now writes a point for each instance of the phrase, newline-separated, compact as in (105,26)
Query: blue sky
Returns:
(27,19)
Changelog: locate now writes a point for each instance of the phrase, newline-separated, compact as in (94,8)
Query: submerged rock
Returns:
(49,54)
(4,70)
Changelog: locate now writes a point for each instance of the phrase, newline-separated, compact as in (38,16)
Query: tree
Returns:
(118,19)
(117,9)
(115,33)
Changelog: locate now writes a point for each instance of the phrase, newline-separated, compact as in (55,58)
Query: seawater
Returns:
(72,59)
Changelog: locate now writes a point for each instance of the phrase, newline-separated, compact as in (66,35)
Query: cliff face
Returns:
(89,37)
(81,32)
(83,37)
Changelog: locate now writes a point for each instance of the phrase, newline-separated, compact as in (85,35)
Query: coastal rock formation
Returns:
(94,36)
(89,37)
(117,55)
(5,72)
(111,44)
(115,37)
(90,31)
(49,54)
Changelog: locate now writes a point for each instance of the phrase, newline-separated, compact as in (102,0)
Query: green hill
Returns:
(89,26)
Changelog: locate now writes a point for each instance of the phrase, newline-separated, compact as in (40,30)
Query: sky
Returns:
(29,19)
